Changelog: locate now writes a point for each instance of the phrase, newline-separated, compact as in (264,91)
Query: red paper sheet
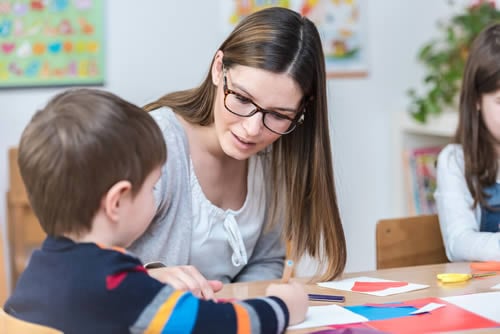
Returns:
(448,318)
(375,286)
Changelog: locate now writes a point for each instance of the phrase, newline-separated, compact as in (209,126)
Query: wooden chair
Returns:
(12,325)
(25,233)
(4,292)
(410,241)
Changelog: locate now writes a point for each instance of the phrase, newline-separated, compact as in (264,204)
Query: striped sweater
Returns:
(85,288)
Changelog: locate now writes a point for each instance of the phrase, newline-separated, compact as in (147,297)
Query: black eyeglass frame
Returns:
(297,120)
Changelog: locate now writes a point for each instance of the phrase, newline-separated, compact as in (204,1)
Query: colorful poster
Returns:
(341,24)
(342,27)
(51,42)
(244,7)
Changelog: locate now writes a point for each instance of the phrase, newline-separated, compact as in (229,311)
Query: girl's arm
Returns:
(458,220)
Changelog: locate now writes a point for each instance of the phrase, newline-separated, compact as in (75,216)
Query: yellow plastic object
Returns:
(454,278)
(459,278)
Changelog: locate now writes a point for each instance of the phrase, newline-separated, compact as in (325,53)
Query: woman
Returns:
(250,164)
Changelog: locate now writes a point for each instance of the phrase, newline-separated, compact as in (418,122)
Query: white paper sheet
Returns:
(318,316)
(347,284)
(428,308)
(485,304)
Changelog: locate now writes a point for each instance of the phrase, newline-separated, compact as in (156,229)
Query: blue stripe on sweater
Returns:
(183,317)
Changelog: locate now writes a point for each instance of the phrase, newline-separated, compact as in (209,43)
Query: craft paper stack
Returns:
(426,315)
(373,286)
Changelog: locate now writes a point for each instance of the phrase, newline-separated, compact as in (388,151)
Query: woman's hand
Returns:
(187,278)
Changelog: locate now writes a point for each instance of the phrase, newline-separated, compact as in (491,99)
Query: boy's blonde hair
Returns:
(77,147)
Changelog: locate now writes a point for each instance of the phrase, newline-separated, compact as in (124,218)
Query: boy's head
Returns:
(80,145)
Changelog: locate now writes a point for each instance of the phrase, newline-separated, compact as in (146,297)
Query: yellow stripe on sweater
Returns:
(164,312)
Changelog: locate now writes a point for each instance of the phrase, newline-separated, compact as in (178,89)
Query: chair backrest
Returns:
(12,325)
(25,233)
(3,270)
(409,241)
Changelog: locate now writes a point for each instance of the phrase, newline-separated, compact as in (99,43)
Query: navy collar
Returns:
(58,243)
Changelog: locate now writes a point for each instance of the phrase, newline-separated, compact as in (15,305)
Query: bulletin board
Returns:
(51,43)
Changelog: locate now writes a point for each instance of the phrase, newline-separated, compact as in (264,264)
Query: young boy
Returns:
(90,161)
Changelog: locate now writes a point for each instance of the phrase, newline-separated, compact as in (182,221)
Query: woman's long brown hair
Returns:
(303,190)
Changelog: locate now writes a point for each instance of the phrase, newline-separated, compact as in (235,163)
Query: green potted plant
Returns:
(444,59)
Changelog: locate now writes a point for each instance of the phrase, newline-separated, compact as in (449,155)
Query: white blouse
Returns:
(228,236)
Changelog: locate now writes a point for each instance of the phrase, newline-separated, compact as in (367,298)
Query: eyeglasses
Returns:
(242,106)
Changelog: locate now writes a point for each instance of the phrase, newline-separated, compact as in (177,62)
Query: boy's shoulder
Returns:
(64,247)
(66,281)
(84,263)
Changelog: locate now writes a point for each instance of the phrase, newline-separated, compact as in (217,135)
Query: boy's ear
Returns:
(217,68)
(114,198)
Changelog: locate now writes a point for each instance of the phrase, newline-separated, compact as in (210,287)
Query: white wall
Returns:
(364,112)
(153,48)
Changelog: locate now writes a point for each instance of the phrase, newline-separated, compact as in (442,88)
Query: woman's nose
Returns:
(253,125)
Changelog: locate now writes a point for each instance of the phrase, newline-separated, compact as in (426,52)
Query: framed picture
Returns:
(341,24)
(51,43)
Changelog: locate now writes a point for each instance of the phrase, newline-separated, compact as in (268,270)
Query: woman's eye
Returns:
(279,117)
(243,99)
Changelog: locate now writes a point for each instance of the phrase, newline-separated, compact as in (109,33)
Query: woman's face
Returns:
(490,109)
(241,137)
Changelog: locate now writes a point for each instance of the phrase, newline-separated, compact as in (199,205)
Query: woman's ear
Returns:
(217,67)
(114,199)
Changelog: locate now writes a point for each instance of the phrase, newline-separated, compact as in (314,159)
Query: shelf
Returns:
(409,134)
(442,125)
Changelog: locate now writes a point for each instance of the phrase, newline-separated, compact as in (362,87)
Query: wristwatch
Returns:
(154,265)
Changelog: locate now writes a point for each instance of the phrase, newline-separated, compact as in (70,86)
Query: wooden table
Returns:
(419,274)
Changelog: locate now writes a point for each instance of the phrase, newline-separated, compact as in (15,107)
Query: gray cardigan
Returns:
(168,238)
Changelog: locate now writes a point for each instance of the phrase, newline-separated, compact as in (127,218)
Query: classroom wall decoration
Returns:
(419,166)
(51,42)
(244,7)
(341,24)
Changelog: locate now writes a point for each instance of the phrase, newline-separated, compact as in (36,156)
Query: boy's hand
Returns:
(295,298)
(187,278)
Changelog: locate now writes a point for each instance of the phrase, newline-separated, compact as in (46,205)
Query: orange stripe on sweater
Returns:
(242,319)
